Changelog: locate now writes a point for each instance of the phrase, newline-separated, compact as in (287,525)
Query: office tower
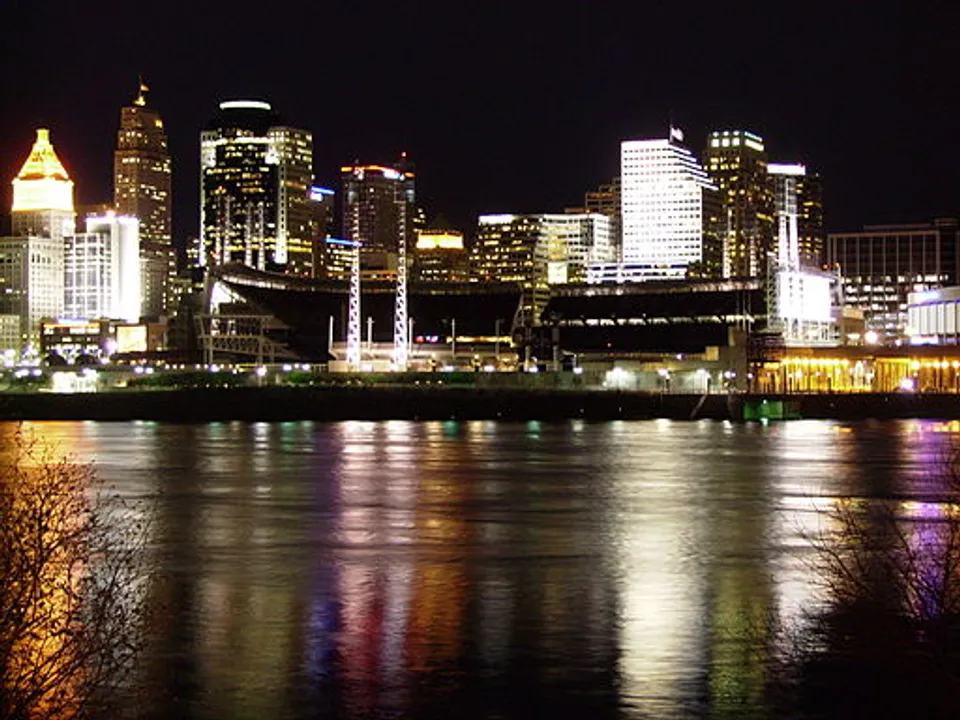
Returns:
(31,286)
(811,229)
(321,228)
(605,200)
(669,215)
(794,185)
(537,251)
(882,264)
(43,194)
(379,211)
(783,181)
(102,266)
(141,189)
(256,173)
(736,162)
(440,256)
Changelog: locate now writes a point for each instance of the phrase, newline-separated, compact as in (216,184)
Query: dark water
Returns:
(480,569)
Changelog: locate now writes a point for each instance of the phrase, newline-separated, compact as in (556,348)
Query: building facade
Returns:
(379,210)
(142,189)
(321,228)
(736,162)
(605,200)
(256,173)
(103,270)
(537,251)
(441,257)
(669,212)
(43,194)
(793,185)
(31,284)
(882,264)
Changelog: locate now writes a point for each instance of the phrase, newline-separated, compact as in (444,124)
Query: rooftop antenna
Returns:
(141,99)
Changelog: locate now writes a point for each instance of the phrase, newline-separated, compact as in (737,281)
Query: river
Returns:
(485,569)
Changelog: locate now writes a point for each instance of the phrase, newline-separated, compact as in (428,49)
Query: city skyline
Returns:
(505,118)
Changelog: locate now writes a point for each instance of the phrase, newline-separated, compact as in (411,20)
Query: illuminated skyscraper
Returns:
(256,174)
(669,215)
(379,211)
(43,194)
(141,189)
(536,251)
(736,162)
(794,186)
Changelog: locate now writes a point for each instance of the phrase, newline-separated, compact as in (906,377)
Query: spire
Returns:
(141,98)
(42,183)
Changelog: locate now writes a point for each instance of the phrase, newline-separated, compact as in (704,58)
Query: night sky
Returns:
(504,107)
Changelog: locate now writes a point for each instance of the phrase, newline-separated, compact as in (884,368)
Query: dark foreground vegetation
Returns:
(72,595)
(887,644)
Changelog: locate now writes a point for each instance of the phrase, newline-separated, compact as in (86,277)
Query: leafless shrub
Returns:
(72,601)
(888,643)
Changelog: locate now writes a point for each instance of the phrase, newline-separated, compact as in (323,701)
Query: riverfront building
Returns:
(882,264)
(256,173)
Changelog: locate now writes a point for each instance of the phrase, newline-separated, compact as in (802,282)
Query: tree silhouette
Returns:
(888,642)
(72,586)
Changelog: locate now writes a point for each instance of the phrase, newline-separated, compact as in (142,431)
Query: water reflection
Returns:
(484,569)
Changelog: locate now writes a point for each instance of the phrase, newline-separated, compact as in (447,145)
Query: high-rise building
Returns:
(31,285)
(379,211)
(537,251)
(141,189)
(440,256)
(793,185)
(812,231)
(605,200)
(321,228)
(882,264)
(736,162)
(43,194)
(103,270)
(256,173)
(669,215)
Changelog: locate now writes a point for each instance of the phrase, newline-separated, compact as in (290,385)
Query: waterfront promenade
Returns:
(362,402)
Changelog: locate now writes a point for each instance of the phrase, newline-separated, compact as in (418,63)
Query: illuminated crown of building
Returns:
(42,183)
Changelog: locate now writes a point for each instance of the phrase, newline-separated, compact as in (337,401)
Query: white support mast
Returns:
(400,326)
(353,311)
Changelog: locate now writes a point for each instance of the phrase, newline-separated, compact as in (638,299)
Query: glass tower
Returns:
(256,174)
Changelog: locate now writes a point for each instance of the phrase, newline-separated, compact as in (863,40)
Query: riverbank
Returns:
(459,403)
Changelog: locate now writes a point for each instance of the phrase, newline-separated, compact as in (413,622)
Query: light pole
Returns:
(453,341)
(496,343)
